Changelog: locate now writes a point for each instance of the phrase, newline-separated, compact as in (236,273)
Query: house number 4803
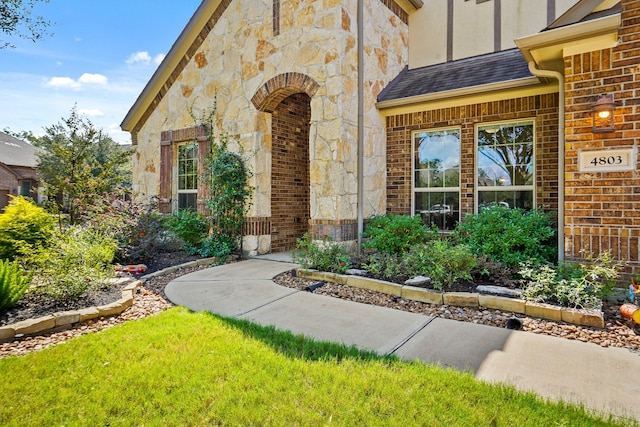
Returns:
(613,160)
(603,161)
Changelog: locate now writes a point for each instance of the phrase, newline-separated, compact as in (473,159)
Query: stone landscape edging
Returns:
(65,319)
(582,317)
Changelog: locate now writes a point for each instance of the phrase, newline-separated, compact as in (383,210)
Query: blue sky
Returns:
(99,58)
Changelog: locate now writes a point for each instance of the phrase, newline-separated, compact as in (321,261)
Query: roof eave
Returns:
(169,63)
(458,93)
(550,47)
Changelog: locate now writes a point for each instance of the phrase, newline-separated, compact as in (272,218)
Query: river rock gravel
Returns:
(618,332)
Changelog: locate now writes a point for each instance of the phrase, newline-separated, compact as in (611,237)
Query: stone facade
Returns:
(314,52)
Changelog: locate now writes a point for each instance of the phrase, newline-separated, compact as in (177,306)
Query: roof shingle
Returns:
(476,71)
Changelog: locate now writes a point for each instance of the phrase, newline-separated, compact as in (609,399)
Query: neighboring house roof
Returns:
(16,152)
(499,67)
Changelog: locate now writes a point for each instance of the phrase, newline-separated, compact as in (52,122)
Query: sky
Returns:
(99,58)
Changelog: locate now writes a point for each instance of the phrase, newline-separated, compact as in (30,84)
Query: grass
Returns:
(182,368)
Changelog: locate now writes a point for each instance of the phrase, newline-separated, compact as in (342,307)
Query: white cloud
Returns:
(97,79)
(63,82)
(69,83)
(91,112)
(139,57)
(144,58)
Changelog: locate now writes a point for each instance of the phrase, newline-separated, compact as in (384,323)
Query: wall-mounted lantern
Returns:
(603,114)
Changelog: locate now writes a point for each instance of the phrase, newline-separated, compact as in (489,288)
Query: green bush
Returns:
(439,260)
(13,283)
(390,267)
(510,236)
(444,263)
(575,285)
(396,233)
(189,226)
(24,227)
(139,230)
(77,261)
(218,244)
(325,255)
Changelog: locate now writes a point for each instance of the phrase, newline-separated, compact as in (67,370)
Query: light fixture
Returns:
(603,114)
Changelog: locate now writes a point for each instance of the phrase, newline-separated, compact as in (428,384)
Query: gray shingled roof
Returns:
(15,152)
(476,71)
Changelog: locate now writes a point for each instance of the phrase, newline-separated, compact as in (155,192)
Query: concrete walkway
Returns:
(604,379)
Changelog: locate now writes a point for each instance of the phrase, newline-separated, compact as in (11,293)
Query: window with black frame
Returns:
(436,177)
(505,161)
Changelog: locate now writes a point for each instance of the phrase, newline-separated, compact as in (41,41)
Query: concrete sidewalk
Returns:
(604,379)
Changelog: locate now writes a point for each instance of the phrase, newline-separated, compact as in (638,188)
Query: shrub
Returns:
(510,236)
(77,261)
(189,226)
(24,227)
(324,255)
(396,233)
(442,262)
(573,285)
(218,244)
(13,283)
(139,230)
(390,267)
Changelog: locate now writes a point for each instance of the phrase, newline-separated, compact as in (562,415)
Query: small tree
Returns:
(225,177)
(79,164)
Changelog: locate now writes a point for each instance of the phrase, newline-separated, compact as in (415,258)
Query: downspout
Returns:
(360,207)
(558,76)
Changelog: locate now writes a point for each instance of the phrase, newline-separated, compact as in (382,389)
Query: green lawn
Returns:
(183,368)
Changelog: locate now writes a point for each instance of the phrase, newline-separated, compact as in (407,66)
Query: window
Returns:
(25,188)
(187,176)
(506,164)
(436,177)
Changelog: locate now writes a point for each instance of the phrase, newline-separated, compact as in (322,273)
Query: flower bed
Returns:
(591,318)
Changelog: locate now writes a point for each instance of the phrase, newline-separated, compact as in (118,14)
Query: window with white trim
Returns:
(187,176)
(505,166)
(436,177)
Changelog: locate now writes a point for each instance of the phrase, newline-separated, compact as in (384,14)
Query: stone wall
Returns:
(602,209)
(241,54)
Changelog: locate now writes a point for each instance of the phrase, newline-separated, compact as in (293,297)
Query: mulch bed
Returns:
(32,306)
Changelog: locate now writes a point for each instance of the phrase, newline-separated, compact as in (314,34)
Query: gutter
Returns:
(561,105)
(471,90)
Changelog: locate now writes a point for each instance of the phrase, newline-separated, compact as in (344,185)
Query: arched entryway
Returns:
(290,192)
(288,98)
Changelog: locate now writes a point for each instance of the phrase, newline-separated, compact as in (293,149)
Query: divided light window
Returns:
(436,177)
(506,164)
(187,176)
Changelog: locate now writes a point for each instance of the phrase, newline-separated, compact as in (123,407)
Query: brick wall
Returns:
(602,210)
(290,187)
(542,108)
